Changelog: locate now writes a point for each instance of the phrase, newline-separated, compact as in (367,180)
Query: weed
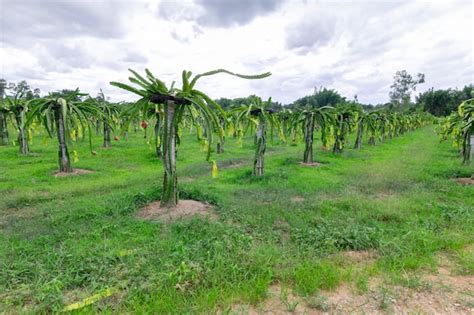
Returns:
(385,297)
(326,236)
(290,305)
(319,302)
(362,284)
(311,276)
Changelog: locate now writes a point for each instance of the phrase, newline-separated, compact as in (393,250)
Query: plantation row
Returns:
(460,126)
(70,116)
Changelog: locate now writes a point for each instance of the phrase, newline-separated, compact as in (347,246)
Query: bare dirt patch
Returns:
(185,208)
(279,301)
(76,171)
(466,181)
(314,164)
(468,248)
(297,199)
(360,256)
(440,292)
(433,297)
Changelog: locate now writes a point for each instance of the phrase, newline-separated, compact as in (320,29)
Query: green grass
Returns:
(65,239)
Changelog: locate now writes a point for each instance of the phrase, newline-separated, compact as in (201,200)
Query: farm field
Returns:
(383,229)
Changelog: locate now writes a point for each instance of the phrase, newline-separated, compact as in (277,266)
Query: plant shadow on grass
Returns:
(297,161)
(457,172)
(246,177)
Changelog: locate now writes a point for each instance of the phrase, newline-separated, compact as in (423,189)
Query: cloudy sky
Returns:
(352,46)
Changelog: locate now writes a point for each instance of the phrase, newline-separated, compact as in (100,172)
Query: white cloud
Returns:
(352,46)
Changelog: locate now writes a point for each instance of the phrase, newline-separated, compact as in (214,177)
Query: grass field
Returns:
(63,239)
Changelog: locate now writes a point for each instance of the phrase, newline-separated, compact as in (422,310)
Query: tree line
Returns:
(438,102)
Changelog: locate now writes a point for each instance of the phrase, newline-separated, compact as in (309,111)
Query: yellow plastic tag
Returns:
(91,299)
(215,170)
(75,156)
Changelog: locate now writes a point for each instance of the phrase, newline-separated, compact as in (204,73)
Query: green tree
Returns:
(4,113)
(403,85)
(460,126)
(444,102)
(18,106)
(110,115)
(360,120)
(310,119)
(66,115)
(259,115)
(225,103)
(466,112)
(372,126)
(175,102)
(345,117)
(320,98)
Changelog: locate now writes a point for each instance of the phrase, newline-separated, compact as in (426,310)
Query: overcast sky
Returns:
(354,47)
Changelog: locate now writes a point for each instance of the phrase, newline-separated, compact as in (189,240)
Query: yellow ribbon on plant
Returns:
(30,136)
(199,131)
(214,169)
(230,130)
(204,145)
(240,135)
(75,156)
(72,134)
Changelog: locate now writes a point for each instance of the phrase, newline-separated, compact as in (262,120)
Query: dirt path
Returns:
(441,292)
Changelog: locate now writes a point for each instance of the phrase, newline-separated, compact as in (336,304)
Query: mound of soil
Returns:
(76,171)
(185,208)
(466,181)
